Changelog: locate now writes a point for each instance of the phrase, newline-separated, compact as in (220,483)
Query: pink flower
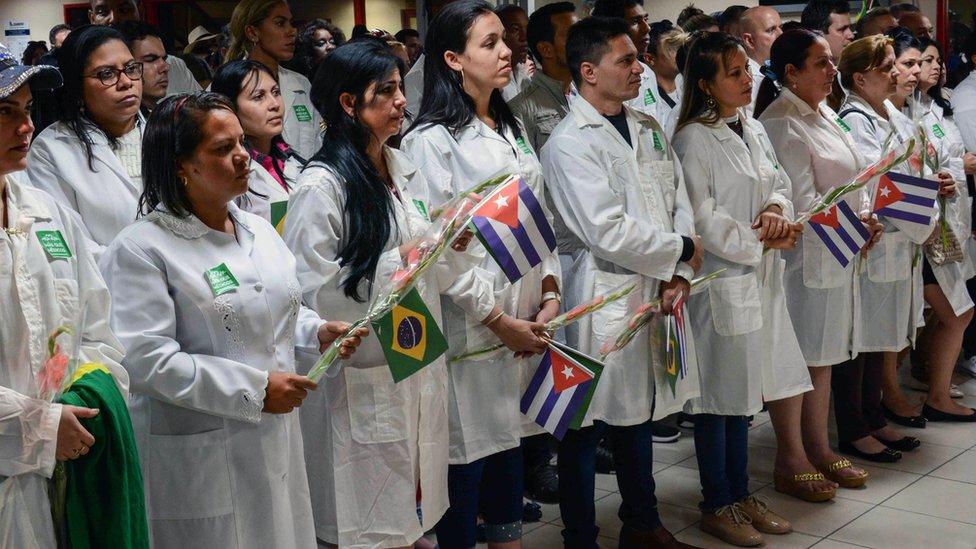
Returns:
(51,375)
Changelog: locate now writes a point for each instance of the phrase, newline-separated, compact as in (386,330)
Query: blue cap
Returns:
(13,75)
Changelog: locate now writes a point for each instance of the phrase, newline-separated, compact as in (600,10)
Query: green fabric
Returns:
(409,337)
(104,502)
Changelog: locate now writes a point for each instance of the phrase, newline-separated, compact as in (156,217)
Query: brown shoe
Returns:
(732,525)
(855,477)
(799,487)
(763,519)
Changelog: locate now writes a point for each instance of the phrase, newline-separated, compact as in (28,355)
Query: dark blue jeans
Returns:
(631,447)
(491,486)
(721,444)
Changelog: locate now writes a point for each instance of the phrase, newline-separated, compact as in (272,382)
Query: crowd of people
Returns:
(203,226)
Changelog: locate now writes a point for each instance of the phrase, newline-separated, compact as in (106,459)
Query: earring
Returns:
(711,103)
(185,181)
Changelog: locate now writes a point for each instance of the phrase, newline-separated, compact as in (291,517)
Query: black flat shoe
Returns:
(915,422)
(885,456)
(932,414)
(904,444)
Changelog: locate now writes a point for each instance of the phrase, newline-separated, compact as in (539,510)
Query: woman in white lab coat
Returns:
(39,292)
(464,134)
(252,89)
(91,159)
(747,350)
(206,300)
(262,30)
(890,280)
(817,154)
(371,444)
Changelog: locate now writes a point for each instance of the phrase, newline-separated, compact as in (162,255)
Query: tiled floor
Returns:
(925,501)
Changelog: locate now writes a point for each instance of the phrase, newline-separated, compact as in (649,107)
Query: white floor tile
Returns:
(961,468)
(953,435)
(885,528)
(834,544)
(882,484)
(921,461)
(674,452)
(948,499)
(816,519)
(682,486)
(694,536)
(761,461)
(546,536)
(763,436)
(608,483)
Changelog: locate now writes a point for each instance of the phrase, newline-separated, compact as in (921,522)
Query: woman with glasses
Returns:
(90,160)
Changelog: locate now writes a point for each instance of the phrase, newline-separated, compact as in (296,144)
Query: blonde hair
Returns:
(246,14)
(860,56)
(674,39)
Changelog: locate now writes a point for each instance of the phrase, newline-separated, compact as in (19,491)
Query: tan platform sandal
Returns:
(798,487)
(843,480)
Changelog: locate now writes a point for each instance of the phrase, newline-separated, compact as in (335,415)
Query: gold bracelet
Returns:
(494,318)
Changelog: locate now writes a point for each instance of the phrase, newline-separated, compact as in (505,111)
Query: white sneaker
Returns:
(967,366)
(912,383)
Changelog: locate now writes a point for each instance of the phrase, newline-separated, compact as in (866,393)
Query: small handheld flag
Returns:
(512,225)
(561,389)
(841,231)
(278,212)
(907,198)
(676,344)
(409,336)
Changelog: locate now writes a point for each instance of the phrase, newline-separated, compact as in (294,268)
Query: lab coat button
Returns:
(258,287)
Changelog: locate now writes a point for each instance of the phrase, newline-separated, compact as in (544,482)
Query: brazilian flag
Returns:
(409,336)
(278,211)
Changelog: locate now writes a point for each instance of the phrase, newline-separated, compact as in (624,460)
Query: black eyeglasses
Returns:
(109,76)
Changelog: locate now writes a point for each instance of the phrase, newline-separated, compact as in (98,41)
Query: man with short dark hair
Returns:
(57,35)
(876,21)
(759,27)
(833,18)
(516,23)
(113,12)
(411,39)
(602,164)
(897,10)
(146,44)
(728,20)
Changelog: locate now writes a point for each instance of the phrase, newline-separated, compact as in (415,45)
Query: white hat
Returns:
(198,34)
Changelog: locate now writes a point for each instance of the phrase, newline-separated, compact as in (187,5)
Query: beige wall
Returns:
(382,14)
(41,15)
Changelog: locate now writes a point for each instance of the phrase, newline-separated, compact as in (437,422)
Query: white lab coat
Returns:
(181,80)
(755,69)
(105,197)
(952,276)
(520,79)
(964,110)
(747,349)
(484,394)
(413,86)
(650,102)
(264,190)
(370,443)
(891,303)
(303,124)
(40,293)
(217,471)
(629,207)
(823,298)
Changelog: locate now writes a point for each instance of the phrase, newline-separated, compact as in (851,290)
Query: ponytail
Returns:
(791,48)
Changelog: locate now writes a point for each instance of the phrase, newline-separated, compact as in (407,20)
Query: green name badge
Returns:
(937,130)
(843,125)
(54,244)
(649,98)
(301,112)
(522,146)
(658,145)
(221,280)
(422,208)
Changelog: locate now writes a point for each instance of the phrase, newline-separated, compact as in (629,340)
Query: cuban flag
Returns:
(560,391)
(513,228)
(907,198)
(841,231)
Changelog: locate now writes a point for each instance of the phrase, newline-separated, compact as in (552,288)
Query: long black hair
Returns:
(707,54)
(72,58)
(304,60)
(790,48)
(445,102)
(935,92)
(173,133)
(352,68)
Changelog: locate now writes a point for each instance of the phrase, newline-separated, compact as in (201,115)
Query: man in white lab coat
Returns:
(618,188)
(759,27)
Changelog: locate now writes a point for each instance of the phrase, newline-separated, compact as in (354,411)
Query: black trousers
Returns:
(857,396)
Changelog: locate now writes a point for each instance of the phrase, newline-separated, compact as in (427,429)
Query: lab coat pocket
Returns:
(820,268)
(736,309)
(891,259)
(66,292)
(606,321)
(662,175)
(188,476)
(376,405)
